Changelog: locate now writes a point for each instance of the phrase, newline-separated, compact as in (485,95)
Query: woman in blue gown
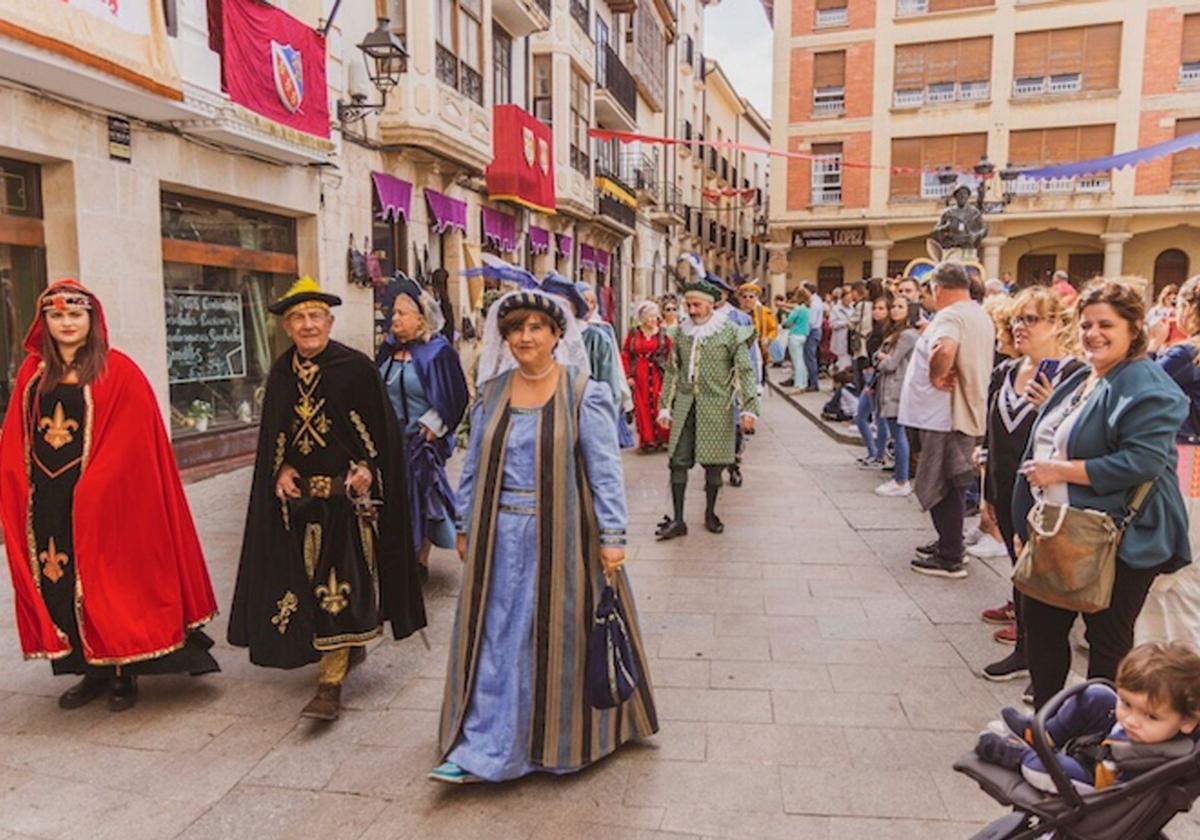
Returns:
(538,547)
(426,387)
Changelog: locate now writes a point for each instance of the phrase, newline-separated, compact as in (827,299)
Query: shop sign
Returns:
(206,338)
(829,238)
(120,141)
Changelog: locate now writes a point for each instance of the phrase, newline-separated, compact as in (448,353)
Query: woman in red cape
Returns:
(645,354)
(109,577)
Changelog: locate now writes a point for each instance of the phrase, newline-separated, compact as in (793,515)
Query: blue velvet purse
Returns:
(611,674)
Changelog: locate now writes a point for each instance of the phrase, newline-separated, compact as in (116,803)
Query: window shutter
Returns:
(1065,53)
(1095,141)
(941,62)
(906,152)
(829,69)
(1025,148)
(975,60)
(910,67)
(968,149)
(1061,145)
(1103,63)
(1031,51)
(937,152)
(1185,166)
(827,5)
(1191,39)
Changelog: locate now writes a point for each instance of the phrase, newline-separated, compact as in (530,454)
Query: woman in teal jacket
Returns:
(1107,429)
(798,328)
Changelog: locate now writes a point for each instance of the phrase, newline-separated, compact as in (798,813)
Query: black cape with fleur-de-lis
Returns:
(313,576)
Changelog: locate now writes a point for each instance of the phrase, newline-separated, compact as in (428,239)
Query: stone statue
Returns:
(961,229)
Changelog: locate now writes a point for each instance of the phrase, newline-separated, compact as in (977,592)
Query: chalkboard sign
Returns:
(206,340)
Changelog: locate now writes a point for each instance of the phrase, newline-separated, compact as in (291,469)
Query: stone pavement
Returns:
(809,685)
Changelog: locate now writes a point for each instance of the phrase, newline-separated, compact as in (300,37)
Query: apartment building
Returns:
(880,95)
(735,186)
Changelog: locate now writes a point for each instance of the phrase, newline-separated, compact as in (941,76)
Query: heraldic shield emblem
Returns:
(544,156)
(527,143)
(287,65)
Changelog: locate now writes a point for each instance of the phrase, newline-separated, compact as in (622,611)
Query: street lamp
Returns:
(983,171)
(386,60)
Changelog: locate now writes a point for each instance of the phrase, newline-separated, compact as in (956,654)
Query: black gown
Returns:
(313,575)
(57,457)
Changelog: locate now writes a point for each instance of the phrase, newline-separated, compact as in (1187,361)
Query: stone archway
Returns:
(1170,267)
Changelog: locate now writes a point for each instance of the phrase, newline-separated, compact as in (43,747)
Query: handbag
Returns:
(611,674)
(1070,558)
(778,347)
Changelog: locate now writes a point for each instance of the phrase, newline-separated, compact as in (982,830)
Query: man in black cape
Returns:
(327,555)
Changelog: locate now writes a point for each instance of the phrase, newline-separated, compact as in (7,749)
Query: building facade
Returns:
(877,96)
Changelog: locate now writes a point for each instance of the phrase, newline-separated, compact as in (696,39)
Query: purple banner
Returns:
(564,245)
(1101,165)
(395,196)
(539,240)
(602,261)
(500,228)
(587,257)
(446,212)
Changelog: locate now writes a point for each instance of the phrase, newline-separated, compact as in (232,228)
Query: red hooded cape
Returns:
(141,582)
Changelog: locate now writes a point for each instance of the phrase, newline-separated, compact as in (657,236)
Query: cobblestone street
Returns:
(809,685)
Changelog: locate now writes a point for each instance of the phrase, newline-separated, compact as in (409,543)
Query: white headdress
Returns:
(494,356)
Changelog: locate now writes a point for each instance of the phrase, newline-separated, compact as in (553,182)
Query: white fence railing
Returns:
(829,100)
(904,8)
(832,17)
(1030,186)
(941,94)
(1189,74)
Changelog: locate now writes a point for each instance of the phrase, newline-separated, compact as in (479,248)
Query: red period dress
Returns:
(644,357)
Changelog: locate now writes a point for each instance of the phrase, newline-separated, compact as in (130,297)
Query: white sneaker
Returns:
(891,488)
(972,535)
(988,547)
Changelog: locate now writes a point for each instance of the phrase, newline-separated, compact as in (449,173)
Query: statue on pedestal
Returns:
(961,229)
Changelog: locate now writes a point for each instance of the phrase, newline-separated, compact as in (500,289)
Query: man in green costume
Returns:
(708,369)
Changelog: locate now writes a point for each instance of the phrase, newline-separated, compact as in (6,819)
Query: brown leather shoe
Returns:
(325,705)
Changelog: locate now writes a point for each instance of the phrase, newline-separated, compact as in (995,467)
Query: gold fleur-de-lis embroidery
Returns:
(287,605)
(333,594)
(52,562)
(311,424)
(58,428)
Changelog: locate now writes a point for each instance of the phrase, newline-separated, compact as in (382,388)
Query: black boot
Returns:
(124,694)
(735,475)
(711,521)
(83,692)
(669,528)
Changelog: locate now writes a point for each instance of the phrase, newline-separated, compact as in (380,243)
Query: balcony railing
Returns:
(827,179)
(932,186)
(942,93)
(1030,186)
(1069,83)
(447,67)
(832,17)
(613,76)
(904,8)
(829,100)
(579,160)
(827,196)
(623,214)
(459,75)
(472,84)
(1189,74)
(641,170)
(579,11)
(1052,85)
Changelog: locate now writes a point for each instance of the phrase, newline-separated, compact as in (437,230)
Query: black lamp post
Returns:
(386,60)
(983,171)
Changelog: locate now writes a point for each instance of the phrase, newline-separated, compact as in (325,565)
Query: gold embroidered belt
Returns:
(322,486)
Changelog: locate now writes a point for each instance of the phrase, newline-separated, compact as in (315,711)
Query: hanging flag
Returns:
(274,65)
(521,170)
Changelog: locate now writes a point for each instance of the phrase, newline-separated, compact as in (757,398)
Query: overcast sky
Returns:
(736,34)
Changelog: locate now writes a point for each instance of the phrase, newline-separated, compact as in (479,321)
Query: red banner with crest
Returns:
(522,167)
(274,65)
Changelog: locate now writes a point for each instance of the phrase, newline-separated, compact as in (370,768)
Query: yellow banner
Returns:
(618,192)
(126,39)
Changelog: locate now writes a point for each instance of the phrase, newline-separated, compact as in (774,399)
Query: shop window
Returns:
(221,341)
(389,241)
(22,264)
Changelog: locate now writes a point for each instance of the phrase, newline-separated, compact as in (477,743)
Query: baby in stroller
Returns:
(1105,736)
(1097,763)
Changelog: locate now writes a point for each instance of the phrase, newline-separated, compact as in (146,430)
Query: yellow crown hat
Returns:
(304,290)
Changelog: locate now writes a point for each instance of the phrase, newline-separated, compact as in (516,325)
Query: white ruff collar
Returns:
(710,327)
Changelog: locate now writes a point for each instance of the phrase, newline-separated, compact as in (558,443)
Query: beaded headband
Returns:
(62,301)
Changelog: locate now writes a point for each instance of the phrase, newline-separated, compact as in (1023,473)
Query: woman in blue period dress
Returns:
(427,389)
(534,566)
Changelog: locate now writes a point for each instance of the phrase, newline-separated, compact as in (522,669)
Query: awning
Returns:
(446,212)
(614,190)
(500,229)
(539,240)
(395,196)
(602,261)
(587,257)
(564,244)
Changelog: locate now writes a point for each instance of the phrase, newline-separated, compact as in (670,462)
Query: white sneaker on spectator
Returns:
(892,488)
(988,546)
(972,535)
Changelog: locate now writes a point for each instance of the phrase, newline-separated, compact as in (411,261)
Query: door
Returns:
(1170,268)
(1034,270)
(829,277)
(1084,267)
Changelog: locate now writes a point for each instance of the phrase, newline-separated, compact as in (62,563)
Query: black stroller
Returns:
(1134,810)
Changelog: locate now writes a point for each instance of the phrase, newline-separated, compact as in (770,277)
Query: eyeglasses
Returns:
(1027,321)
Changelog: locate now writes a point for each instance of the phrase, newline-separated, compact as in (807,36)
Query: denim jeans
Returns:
(796,352)
(891,426)
(862,419)
(812,352)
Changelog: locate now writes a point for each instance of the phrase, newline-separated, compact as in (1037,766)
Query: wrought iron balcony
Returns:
(641,170)
(582,15)
(619,212)
(616,94)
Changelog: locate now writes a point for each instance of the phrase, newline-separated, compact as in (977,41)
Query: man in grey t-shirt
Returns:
(958,347)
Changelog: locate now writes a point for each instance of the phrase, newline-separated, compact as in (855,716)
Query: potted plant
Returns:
(200,412)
